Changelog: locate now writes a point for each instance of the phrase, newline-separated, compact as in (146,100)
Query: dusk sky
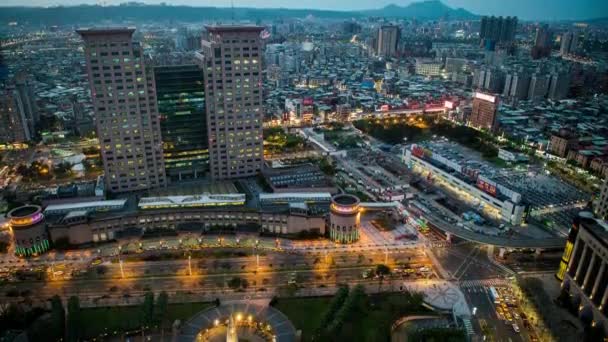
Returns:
(525,9)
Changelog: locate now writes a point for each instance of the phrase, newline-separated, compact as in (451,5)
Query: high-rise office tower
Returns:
(180,92)
(231,59)
(14,125)
(543,41)
(388,40)
(485,112)
(569,43)
(126,114)
(498,29)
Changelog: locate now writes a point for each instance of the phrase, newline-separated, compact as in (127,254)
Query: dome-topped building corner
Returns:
(28,229)
(344,218)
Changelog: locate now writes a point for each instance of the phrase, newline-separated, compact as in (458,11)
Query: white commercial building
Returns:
(497,196)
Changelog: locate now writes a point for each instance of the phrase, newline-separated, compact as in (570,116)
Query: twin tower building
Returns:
(157,124)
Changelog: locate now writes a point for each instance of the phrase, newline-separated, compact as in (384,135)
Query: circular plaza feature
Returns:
(236,321)
(28,230)
(344,218)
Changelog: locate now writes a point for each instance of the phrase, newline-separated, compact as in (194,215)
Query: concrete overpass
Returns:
(498,241)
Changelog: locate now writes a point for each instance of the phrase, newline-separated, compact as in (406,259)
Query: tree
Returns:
(74,319)
(382,270)
(328,315)
(147,309)
(236,283)
(57,318)
(161,308)
(352,303)
(327,166)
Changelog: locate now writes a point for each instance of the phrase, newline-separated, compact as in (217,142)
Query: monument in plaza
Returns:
(231,335)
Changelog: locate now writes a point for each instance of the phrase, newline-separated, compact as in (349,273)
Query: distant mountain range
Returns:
(431,9)
(427,10)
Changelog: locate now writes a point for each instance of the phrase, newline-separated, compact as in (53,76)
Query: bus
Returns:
(494,294)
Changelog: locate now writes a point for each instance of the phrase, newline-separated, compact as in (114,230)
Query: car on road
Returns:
(515,328)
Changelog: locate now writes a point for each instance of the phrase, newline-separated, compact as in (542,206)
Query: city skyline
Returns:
(278,175)
(545,10)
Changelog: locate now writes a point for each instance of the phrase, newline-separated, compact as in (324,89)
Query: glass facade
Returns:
(181,104)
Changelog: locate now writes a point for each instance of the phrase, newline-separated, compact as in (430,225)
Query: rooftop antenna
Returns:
(232,10)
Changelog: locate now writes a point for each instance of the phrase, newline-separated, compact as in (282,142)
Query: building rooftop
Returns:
(202,200)
(234,28)
(92,205)
(105,31)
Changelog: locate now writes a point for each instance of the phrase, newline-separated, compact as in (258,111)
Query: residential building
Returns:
(231,59)
(14,124)
(562,142)
(485,112)
(124,100)
(428,67)
(180,91)
(559,85)
(539,87)
(516,86)
(543,41)
(569,43)
(498,29)
(388,40)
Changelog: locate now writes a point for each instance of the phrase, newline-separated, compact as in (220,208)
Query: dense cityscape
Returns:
(407,173)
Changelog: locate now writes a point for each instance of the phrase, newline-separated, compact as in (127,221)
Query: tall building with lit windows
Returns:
(126,114)
(485,112)
(180,94)
(231,59)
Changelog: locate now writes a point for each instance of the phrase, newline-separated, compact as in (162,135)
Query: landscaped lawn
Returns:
(304,313)
(124,318)
(372,324)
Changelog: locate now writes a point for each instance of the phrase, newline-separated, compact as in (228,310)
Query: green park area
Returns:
(116,319)
(75,323)
(392,132)
(351,314)
(340,136)
(276,141)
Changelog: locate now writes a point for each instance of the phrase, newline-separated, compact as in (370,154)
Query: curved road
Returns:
(499,241)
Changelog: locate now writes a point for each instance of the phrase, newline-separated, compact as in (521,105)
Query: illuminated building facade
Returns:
(180,92)
(485,112)
(126,113)
(29,231)
(344,218)
(231,60)
(583,269)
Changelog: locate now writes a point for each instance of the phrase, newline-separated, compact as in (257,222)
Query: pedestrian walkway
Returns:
(468,326)
(483,282)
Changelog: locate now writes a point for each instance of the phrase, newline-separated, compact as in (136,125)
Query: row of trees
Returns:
(154,312)
(344,306)
(336,303)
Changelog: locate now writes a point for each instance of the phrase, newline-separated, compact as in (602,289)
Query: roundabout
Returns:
(252,320)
